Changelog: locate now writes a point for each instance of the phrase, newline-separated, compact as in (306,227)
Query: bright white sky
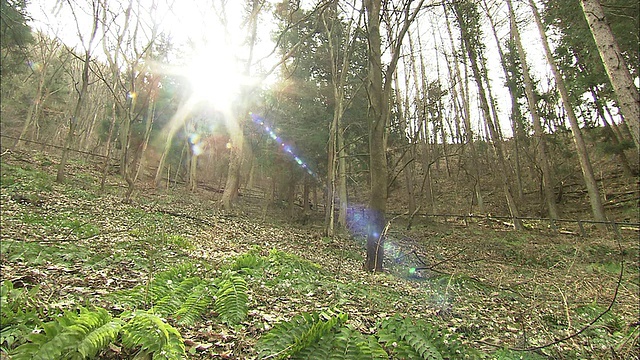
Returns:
(184,20)
(196,21)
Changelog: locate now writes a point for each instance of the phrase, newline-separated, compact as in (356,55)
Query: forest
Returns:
(319,179)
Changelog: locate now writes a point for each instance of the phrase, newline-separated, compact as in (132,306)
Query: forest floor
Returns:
(71,245)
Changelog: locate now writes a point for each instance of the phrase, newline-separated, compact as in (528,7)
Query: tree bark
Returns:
(378,113)
(515,108)
(82,93)
(615,65)
(463,111)
(585,163)
(234,126)
(474,57)
(543,159)
(379,89)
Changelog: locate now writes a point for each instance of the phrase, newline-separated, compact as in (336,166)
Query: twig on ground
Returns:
(586,327)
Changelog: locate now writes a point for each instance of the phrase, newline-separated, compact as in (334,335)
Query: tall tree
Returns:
(235,125)
(468,19)
(518,134)
(87,45)
(585,163)
(615,65)
(455,74)
(543,158)
(340,43)
(380,81)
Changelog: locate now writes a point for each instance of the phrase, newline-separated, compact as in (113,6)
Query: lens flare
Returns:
(288,149)
(195,144)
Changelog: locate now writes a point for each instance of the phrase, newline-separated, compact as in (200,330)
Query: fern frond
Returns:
(194,305)
(93,331)
(166,282)
(247,262)
(100,335)
(289,338)
(343,344)
(231,299)
(152,335)
(174,295)
(408,340)
(371,349)
(52,343)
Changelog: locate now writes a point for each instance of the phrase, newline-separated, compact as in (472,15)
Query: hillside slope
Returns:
(486,286)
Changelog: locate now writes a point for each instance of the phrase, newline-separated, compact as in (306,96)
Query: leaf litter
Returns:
(492,288)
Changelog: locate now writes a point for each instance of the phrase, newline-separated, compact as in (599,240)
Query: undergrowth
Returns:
(146,320)
(139,322)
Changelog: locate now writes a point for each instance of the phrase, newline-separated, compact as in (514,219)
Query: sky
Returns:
(197,22)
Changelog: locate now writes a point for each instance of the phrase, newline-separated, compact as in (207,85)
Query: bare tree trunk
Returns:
(235,164)
(234,126)
(82,93)
(193,169)
(543,159)
(305,199)
(378,109)
(465,114)
(147,134)
(471,49)
(614,63)
(422,98)
(585,163)
(342,178)
(443,136)
(177,121)
(107,158)
(34,109)
(402,110)
(515,108)
(336,162)
(379,88)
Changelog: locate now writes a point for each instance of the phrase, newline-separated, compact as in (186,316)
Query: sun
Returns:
(215,75)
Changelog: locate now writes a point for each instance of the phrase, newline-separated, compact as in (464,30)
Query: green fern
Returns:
(166,282)
(152,335)
(50,344)
(247,262)
(71,336)
(95,330)
(288,339)
(231,298)
(176,295)
(84,335)
(180,294)
(409,339)
(341,344)
(194,305)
